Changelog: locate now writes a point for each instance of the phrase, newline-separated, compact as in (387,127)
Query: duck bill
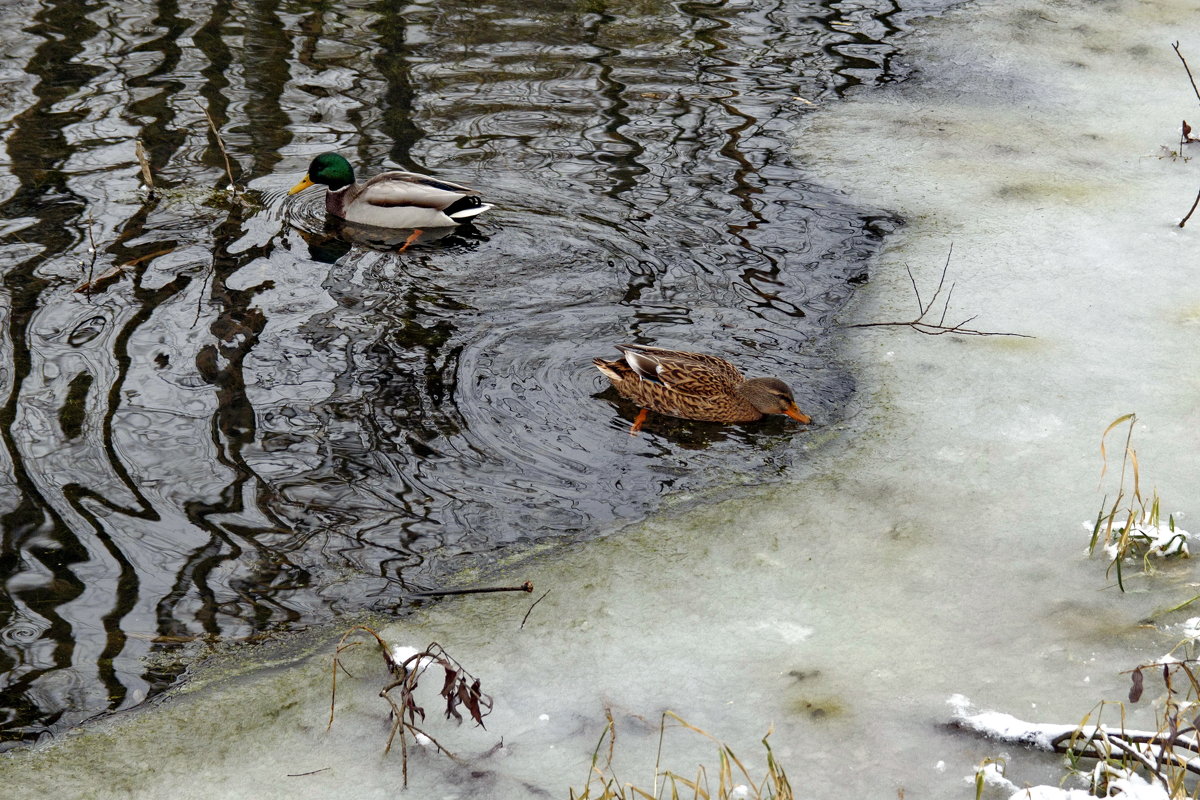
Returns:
(797,414)
(301,186)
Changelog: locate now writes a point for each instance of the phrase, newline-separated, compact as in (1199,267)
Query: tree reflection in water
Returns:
(264,422)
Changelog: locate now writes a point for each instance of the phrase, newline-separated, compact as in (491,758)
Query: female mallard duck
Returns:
(393,199)
(694,386)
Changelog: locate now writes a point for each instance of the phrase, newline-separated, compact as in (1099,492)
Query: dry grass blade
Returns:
(1132,524)
(731,779)
(1180,606)
(1131,418)
(1137,483)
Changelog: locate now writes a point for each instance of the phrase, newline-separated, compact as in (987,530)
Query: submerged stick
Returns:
(527,586)
(212,125)
(91,235)
(147,176)
(99,282)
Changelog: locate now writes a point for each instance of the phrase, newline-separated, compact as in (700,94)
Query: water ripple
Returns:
(260,418)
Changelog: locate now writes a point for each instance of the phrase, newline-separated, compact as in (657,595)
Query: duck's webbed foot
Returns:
(412,237)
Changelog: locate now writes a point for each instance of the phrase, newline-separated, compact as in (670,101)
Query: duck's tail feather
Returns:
(642,361)
(611,369)
(466,208)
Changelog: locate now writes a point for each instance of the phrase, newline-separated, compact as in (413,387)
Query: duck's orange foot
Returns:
(412,237)
(637,422)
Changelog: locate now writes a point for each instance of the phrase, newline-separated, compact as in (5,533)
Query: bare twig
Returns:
(530,611)
(1191,210)
(1175,47)
(401,725)
(460,690)
(916,291)
(208,274)
(938,330)
(342,646)
(942,279)
(920,325)
(303,774)
(91,247)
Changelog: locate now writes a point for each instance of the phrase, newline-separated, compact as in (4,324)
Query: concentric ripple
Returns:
(252,418)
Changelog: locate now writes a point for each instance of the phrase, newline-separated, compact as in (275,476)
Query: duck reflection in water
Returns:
(339,237)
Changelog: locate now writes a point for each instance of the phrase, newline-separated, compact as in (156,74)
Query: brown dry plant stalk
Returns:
(1122,527)
(731,773)
(460,690)
(1186,136)
(1191,210)
(147,176)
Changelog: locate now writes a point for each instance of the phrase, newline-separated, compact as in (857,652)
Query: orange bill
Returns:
(797,414)
(301,186)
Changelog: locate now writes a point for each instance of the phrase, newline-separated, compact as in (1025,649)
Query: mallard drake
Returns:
(694,386)
(392,199)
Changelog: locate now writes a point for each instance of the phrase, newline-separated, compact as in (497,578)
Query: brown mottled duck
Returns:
(694,386)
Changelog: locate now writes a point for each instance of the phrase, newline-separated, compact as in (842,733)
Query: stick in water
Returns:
(147,175)
(221,144)
(527,586)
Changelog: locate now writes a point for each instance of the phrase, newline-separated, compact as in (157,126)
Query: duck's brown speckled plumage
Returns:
(695,386)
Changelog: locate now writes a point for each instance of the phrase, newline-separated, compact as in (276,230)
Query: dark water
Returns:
(257,423)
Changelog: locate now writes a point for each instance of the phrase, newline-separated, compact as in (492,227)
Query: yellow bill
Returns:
(301,186)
